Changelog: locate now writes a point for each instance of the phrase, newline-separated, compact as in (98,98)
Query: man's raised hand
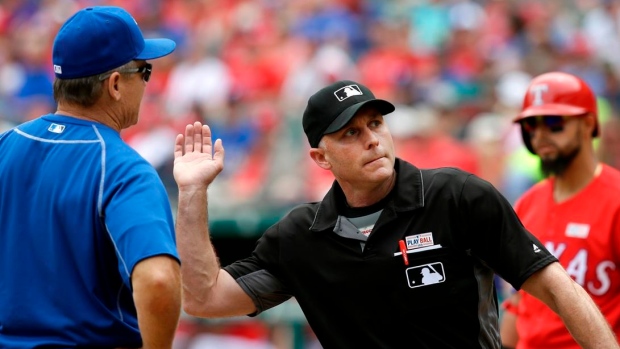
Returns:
(197,160)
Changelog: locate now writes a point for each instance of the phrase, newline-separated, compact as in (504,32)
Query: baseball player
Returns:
(87,249)
(575,212)
(375,290)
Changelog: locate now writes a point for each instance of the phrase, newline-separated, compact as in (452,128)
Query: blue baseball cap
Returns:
(97,39)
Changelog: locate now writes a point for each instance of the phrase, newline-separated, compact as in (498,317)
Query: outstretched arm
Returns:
(208,290)
(553,286)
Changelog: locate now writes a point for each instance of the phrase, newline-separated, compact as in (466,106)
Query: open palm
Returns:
(197,161)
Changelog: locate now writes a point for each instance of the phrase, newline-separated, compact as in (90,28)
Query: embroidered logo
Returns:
(538,91)
(536,248)
(57,69)
(577,230)
(348,91)
(419,240)
(56,128)
(425,274)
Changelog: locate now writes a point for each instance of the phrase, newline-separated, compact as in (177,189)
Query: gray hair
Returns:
(84,91)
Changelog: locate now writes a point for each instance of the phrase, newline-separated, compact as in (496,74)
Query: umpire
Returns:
(392,257)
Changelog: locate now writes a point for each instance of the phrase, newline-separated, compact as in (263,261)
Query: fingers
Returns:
(178,146)
(189,137)
(218,151)
(198,136)
(197,139)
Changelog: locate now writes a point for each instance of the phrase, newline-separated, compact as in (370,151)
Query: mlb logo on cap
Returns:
(324,115)
(348,91)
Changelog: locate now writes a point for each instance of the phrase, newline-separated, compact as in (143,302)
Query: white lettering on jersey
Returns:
(577,230)
(557,252)
(603,278)
(578,266)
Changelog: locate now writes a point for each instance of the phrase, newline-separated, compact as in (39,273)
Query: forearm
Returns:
(157,296)
(199,266)
(584,320)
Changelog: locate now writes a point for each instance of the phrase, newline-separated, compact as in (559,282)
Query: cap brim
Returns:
(383,106)
(550,109)
(155,48)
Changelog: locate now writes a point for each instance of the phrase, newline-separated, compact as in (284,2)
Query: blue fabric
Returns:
(79,209)
(100,38)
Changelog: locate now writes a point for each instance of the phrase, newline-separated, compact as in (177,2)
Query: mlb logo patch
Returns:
(348,91)
(57,69)
(55,128)
(425,274)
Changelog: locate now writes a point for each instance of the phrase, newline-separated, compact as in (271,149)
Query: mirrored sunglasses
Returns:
(555,123)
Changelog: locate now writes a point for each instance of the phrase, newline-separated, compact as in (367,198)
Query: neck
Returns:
(363,197)
(576,177)
(95,114)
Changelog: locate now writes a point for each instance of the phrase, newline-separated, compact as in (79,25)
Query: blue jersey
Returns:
(79,209)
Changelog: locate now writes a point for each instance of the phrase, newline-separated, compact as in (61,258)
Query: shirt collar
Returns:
(409,196)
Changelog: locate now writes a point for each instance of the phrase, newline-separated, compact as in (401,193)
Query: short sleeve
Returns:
(497,236)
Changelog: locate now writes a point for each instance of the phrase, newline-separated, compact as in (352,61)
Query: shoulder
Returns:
(536,190)
(454,179)
(117,151)
(445,174)
(610,178)
(301,214)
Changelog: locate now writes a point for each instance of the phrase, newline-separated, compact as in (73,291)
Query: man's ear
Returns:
(318,155)
(591,122)
(112,86)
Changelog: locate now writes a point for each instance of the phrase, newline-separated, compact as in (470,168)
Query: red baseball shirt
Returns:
(583,232)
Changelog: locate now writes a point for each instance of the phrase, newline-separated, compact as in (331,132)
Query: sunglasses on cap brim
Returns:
(554,123)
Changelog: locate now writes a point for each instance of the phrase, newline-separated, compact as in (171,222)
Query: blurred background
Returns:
(456,69)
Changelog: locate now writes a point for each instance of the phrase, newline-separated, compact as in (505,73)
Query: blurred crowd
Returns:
(456,69)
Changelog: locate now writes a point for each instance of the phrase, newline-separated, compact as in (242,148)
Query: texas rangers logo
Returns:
(425,274)
(348,91)
(538,91)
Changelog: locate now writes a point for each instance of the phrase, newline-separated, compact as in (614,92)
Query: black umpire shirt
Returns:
(458,231)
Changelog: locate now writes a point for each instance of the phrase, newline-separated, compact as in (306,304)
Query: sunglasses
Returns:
(145,70)
(555,123)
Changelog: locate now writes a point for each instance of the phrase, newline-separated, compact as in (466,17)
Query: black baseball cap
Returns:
(331,108)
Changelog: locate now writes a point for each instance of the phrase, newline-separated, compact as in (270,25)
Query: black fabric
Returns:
(370,298)
(330,108)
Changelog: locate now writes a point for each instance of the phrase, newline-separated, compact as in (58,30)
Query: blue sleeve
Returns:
(137,215)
